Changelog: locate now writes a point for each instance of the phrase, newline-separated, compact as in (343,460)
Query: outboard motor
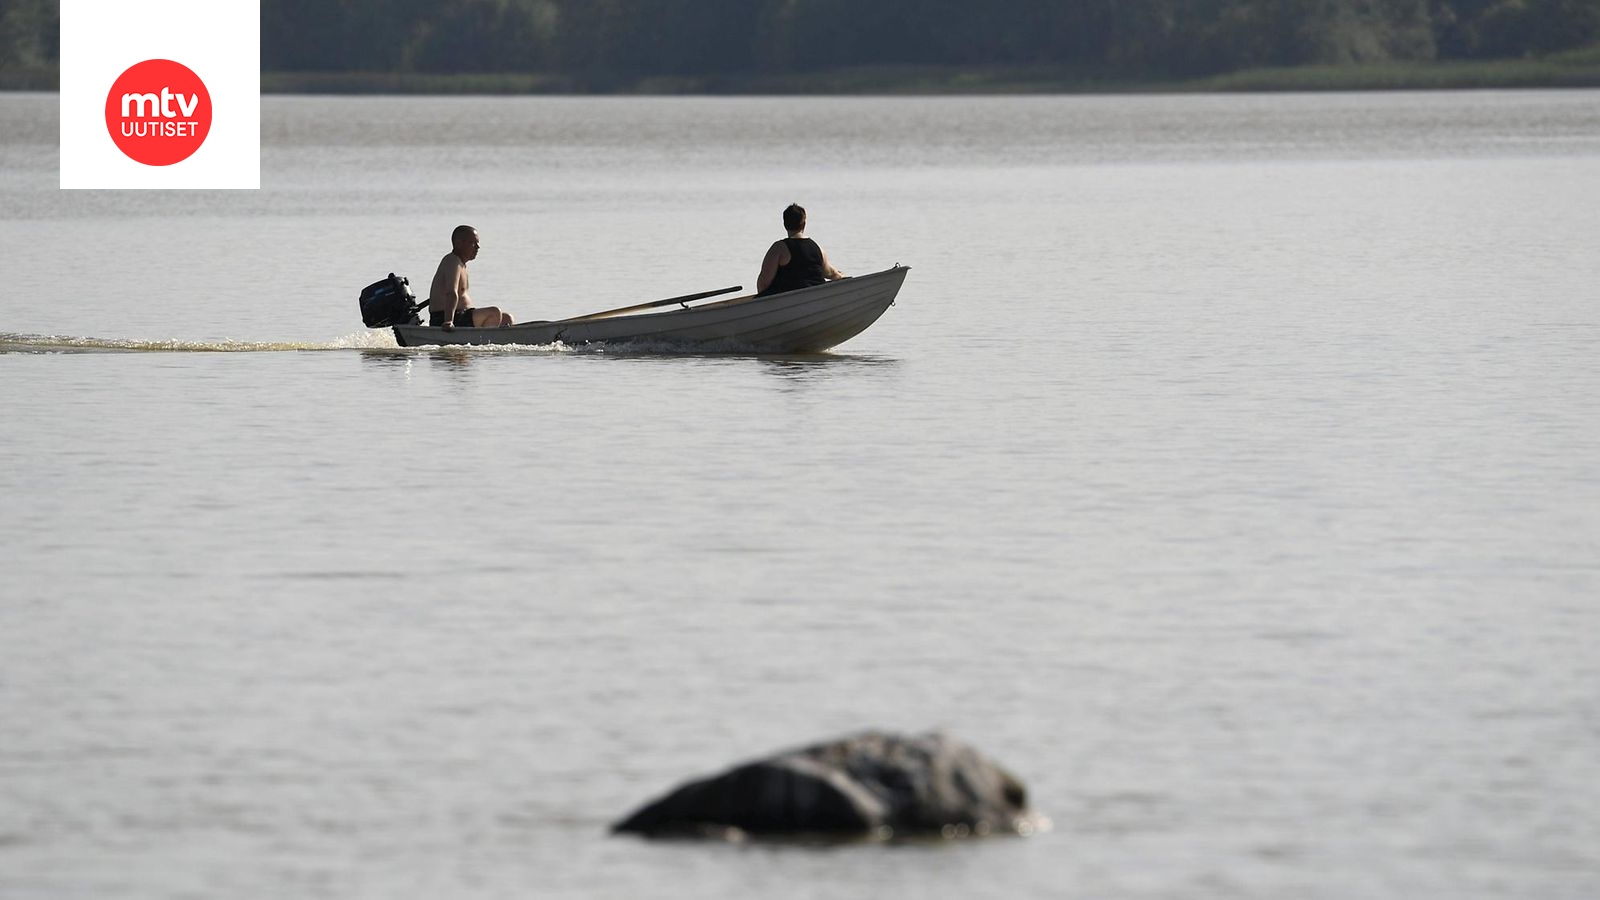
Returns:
(390,302)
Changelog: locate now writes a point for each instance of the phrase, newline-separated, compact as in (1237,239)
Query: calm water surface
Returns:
(1229,468)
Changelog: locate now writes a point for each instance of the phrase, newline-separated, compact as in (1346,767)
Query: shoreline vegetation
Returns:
(1571,69)
(886,47)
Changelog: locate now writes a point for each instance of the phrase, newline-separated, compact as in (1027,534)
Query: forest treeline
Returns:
(597,44)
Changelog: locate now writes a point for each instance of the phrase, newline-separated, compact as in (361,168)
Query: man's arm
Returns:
(458,293)
(828,271)
(444,292)
(453,299)
(777,255)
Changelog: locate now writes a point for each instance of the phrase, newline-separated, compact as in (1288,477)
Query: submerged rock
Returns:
(867,785)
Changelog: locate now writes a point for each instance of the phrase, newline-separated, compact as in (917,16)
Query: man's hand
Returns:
(448,326)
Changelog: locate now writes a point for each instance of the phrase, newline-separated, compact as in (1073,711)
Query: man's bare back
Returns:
(448,302)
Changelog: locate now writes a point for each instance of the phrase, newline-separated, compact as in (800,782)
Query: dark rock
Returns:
(868,785)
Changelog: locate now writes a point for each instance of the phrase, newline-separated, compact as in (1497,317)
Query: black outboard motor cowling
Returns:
(390,302)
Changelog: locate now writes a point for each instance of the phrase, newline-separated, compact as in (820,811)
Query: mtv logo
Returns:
(160,94)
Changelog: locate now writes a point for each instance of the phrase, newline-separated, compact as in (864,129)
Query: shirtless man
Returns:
(448,303)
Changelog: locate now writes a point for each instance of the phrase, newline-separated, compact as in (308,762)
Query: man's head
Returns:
(794,218)
(464,241)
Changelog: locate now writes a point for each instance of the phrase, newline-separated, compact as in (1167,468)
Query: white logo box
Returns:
(219,39)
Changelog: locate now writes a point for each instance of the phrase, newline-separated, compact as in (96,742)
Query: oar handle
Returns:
(700,296)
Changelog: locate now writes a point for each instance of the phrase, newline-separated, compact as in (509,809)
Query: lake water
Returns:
(1229,469)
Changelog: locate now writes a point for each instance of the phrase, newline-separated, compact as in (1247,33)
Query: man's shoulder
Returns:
(450,261)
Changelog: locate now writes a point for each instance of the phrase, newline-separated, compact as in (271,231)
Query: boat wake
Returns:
(380,342)
(618,349)
(47,343)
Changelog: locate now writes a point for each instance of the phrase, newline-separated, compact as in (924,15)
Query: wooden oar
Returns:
(667,302)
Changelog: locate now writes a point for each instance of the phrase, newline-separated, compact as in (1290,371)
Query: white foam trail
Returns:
(556,347)
(51,343)
(375,339)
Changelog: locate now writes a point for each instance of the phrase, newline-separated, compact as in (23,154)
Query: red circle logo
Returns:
(158,112)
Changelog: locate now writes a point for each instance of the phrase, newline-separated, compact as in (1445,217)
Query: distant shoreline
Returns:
(1575,69)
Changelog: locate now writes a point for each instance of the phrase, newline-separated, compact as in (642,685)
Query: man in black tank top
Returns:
(796,261)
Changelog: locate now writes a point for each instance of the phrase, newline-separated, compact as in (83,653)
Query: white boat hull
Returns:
(802,321)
